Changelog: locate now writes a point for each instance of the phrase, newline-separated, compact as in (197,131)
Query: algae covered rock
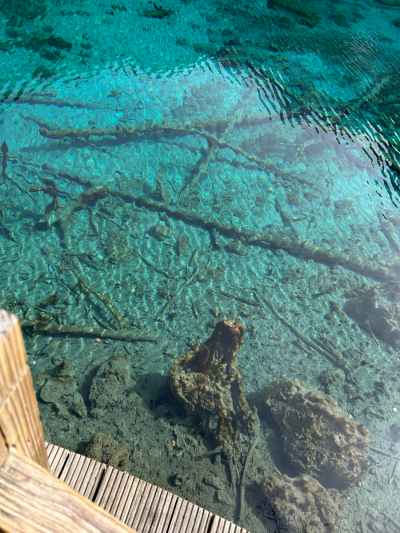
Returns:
(39,380)
(77,404)
(301,504)
(62,391)
(236,247)
(207,381)
(56,388)
(160,232)
(59,387)
(378,310)
(111,383)
(320,438)
(104,449)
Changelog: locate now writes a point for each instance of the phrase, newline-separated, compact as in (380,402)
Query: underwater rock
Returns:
(207,381)
(378,310)
(160,232)
(236,247)
(395,432)
(62,410)
(66,369)
(183,244)
(333,379)
(104,449)
(39,380)
(160,190)
(56,388)
(111,383)
(61,391)
(50,250)
(319,437)
(76,404)
(346,206)
(224,497)
(179,479)
(111,253)
(116,248)
(301,504)
(213,481)
(170,351)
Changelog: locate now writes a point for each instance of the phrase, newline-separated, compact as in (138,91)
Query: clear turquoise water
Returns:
(243,146)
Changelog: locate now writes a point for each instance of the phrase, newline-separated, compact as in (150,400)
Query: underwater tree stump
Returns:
(208,383)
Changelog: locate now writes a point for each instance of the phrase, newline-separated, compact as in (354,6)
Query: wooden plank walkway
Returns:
(138,504)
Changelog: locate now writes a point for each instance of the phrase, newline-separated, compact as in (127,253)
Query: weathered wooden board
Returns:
(20,424)
(143,507)
(219,525)
(32,500)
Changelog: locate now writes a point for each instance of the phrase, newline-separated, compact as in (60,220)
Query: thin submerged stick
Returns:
(384,461)
(242,491)
(377,450)
(330,355)
(102,297)
(377,343)
(395,468)
(178,292)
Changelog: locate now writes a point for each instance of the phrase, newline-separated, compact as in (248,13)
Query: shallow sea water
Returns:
(246,163)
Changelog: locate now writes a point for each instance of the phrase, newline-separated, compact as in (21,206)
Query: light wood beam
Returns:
(20,425)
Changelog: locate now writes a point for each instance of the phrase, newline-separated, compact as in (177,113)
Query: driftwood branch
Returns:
(284,240)
(39,326)
(332,356)
(102,297)
(172,301)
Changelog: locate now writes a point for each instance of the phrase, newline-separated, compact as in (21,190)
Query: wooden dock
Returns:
(141,506)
